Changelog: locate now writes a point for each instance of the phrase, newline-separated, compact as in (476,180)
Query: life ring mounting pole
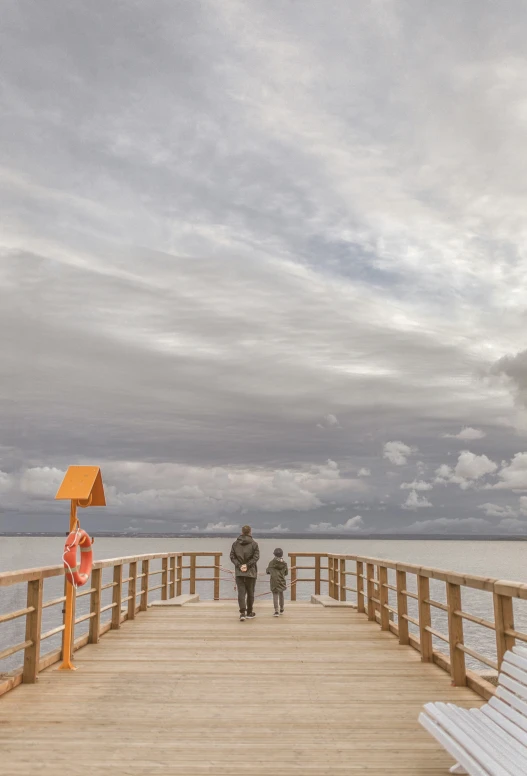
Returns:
(67,653)
(82,486)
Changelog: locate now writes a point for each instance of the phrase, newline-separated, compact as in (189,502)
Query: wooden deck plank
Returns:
(191,691)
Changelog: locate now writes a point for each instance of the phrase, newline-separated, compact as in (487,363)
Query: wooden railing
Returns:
(398,596)
(318,568)
(388,600)
(125,603)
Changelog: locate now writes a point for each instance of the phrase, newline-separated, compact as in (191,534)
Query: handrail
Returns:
(380,597)
(8,578)
(373,589)
(129,593)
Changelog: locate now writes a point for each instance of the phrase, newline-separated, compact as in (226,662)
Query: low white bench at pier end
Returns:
(492,740)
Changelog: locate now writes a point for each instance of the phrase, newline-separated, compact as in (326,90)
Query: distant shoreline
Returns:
(281,536)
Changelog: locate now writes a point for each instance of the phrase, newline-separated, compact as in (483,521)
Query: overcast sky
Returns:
(265,262)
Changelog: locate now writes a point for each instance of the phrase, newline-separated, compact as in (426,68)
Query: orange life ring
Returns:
(75,575)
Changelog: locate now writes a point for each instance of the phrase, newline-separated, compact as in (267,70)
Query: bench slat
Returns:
(459,754)
(513,686)
(509,669)
(486,733)
(508,697)
(481,750)
(518,663)
(511,749)
(503,708)
(507,719)
(491,741)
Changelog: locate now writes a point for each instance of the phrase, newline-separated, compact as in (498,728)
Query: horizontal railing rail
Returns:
(317,568)
(389,601)
(427,608)
(373,589)
(126,602)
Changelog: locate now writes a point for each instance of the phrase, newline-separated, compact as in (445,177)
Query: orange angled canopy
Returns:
(80,483)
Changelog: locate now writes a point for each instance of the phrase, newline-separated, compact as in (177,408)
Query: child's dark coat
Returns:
(277,568)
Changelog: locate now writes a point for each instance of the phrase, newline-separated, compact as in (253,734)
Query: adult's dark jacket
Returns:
(277,568)
(245,552)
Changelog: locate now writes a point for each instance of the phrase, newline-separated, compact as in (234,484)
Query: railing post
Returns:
(172,576)
(360,586)
(293,577)
(383,598)
(317,574)
(455,635)
(378,588)
(342,574)
(164,579)
(332,577)
(117,596)
(95,606)
(402,607)
(425,621)
(369,588)
(132,590)
(217,560)
(33,630)
(179,580)
(192,588)
(504,621)
(145,581)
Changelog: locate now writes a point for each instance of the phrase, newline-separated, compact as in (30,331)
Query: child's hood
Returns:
(277,563)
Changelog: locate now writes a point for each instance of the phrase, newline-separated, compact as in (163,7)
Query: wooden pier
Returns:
(190,690)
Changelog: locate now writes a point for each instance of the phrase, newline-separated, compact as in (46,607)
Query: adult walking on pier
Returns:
(245,554)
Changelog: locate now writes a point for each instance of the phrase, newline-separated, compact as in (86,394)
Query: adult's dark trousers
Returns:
(245,587)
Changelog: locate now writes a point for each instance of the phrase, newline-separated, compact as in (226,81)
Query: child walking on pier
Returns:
(277,568)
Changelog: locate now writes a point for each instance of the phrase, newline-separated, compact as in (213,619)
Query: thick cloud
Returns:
(515,368)
(513,475)
(240,240)
(352,525)
(416,485)
(413,501)
(278,529)
(495,510)
(467,433)
(397,452)
(470,468)
(215,528)
(182,492)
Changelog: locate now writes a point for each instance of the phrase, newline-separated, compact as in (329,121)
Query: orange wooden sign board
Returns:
(80,483)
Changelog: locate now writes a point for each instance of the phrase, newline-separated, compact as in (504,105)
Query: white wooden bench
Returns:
(492,740)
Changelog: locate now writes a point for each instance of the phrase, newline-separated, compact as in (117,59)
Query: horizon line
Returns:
(267,535)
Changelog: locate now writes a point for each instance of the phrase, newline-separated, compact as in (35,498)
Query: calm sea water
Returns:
(503,560)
